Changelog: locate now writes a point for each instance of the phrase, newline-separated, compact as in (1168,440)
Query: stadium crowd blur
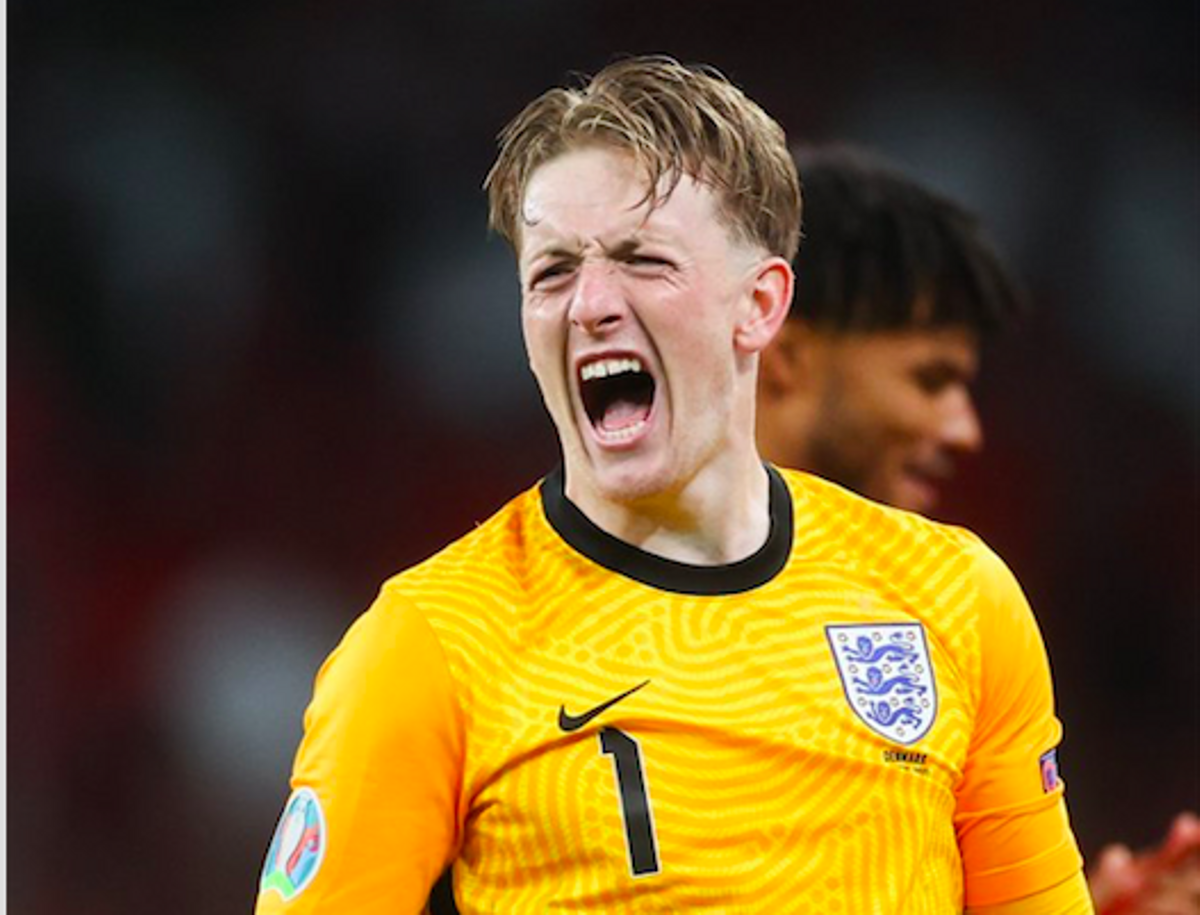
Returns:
(262,354)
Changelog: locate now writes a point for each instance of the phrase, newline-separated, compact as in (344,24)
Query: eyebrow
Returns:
(623,248)
(554,251)
(948,366)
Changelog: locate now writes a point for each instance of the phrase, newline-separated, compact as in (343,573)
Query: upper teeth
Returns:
(603,368)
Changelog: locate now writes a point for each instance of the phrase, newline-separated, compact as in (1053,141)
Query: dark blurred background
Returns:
(262,353)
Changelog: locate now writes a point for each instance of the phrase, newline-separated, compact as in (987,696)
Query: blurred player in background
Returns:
(672,677)
(869,384)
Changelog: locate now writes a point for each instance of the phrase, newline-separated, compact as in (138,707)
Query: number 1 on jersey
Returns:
(635,800)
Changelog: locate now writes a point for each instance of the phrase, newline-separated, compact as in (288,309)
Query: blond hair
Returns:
(674,120)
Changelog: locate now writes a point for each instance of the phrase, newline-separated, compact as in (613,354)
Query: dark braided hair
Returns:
(881,252)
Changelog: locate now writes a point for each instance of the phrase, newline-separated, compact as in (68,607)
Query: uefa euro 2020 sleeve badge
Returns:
(297,847)
(887,677)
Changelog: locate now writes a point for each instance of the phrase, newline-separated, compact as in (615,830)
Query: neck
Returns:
(720,515)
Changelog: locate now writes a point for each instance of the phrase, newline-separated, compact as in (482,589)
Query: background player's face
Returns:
(894,411)
(629,315)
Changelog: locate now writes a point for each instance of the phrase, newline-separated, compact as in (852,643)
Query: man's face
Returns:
(628,314)
(894,411)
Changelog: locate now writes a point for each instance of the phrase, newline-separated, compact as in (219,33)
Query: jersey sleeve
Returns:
(373,817)
(1011,817)
(1071,897)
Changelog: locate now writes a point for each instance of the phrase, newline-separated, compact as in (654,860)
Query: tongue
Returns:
(623,413)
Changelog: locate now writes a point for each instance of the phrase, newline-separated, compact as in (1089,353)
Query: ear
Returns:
(770,297)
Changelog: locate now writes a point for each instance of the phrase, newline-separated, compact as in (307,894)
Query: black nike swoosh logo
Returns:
(570,723)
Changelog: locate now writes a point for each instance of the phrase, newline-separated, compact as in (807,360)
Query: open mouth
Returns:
(617,396)
(924,481)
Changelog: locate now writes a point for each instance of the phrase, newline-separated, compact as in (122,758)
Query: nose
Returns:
(961,429)
(597,302)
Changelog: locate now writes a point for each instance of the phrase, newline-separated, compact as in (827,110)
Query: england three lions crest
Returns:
(887,677)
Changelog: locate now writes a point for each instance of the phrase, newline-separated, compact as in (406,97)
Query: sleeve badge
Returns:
(1049,766)
(297,848)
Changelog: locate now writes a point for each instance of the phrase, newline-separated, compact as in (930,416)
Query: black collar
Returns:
(618,556)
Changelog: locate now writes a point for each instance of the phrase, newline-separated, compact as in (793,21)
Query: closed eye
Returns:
(547,274)
(937,377)
(647,262)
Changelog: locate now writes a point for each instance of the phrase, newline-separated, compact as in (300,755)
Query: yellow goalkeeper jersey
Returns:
(856,719)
